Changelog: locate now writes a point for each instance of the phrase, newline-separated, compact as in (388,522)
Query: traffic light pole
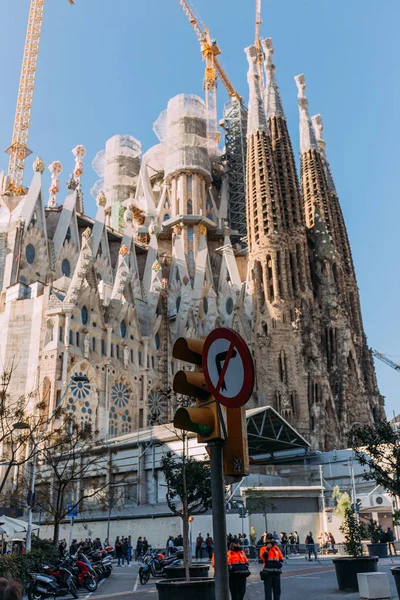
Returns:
(219,519)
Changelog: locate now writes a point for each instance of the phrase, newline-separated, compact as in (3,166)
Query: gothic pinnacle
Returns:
(256,115)
(273,102)
(307,135)
(318,129)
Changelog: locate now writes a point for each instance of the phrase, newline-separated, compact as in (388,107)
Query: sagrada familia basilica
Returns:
(107,296)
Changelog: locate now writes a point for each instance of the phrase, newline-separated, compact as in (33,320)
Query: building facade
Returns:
(107,296)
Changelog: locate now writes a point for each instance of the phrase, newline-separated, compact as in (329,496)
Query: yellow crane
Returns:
(19,150)
(214,69)
(257,37)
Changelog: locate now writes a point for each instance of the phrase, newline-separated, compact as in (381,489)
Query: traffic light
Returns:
(204,419)
(236,450)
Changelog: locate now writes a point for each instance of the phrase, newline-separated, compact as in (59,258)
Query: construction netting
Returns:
(182,129)
(118,167)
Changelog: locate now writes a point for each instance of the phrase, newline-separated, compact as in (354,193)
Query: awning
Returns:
(11,526)
(268,432)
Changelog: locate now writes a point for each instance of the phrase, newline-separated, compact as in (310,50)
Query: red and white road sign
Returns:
(228,367)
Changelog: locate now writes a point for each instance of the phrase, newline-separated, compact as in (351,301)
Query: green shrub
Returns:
(18,566)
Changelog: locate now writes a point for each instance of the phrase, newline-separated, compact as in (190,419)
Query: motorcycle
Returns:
(55,582)
(153,565)
(84,572)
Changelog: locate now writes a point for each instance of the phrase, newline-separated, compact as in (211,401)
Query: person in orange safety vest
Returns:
(272,559)
(238,566)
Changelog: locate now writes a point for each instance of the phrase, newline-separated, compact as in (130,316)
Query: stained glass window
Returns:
(30,253)
(84,315)
(123,329)
(66,268)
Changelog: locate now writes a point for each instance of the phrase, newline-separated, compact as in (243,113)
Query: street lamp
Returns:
(353,481)
(23,426)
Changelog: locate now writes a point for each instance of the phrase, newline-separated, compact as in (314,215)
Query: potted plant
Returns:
(188,484)
(378,546)
(347,567)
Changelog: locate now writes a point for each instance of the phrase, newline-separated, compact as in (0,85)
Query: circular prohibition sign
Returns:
(228,367)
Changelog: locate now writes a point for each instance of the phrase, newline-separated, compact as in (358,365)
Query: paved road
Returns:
(301,580)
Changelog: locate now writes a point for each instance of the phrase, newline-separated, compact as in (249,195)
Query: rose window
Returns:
(155,408)
(80,389)
(120,394)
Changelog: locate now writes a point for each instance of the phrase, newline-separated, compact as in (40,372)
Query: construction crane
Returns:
(19,150)
(257,36)
(386,360)
(214,69)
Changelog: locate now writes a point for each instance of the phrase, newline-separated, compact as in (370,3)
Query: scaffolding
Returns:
(235,125)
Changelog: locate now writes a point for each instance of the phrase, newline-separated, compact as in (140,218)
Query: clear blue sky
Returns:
(108,67)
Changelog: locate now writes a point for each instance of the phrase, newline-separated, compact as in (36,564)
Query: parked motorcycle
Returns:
(54,582)
(153,565)
(83,571)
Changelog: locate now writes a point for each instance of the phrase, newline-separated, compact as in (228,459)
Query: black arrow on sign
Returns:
(219,359)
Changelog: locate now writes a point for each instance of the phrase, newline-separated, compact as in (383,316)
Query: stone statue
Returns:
(86,346)
(126,357)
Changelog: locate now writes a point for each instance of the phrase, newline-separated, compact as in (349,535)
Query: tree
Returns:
(68,473)
(377,447)
(342,500)
(188,491)
(26,411)
(352,534)
(257,502)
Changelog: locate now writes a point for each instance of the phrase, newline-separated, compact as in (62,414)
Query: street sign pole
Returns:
(219,519)
(70,532)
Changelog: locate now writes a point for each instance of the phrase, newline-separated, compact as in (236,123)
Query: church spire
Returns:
(307,135)
(313,176)
(281,144)
(256,120)
(343,244)
(273,102)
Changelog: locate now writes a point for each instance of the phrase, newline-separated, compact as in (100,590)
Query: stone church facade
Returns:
(107,296)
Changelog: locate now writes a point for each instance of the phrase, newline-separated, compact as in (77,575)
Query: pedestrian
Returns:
(284,543)
(245,540)
(389,538)
(331,541)
(73,548)
(106,543)
(272,559)
(119,553)
(145,545)
(229,539)
(199,546)
(209,545)
(62,548)
(238,566)
(126,551)
(179,541)
(97,544)
(139,547)
(310,546)
(296,542)
(10,589)
(171,545)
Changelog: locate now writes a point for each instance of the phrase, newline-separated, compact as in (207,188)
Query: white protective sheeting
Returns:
(182,129)
(118,167)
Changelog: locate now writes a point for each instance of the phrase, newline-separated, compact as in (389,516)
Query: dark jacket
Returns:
(119,551)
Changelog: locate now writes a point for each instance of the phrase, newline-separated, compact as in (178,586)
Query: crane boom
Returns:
(19,150)
(386,360)
(210,51)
